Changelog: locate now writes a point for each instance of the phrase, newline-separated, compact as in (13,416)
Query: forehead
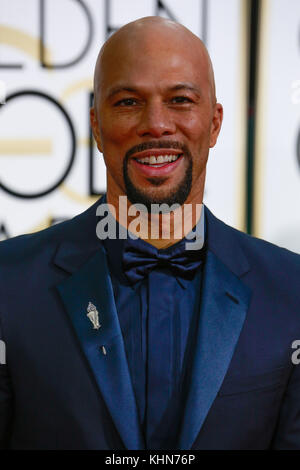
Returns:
(152,63)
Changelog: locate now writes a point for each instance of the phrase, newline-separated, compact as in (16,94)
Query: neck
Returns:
(159,229)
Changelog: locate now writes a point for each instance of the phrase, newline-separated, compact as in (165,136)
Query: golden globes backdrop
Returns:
(277,176)
(50,168)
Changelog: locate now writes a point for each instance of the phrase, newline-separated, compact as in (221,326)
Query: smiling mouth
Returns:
(157,161)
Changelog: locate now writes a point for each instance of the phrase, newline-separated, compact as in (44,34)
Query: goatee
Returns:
(178,195)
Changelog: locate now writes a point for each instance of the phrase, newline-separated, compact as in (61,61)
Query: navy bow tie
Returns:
(139,258)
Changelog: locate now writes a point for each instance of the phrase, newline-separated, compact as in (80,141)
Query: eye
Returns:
(181,99)
(126,102)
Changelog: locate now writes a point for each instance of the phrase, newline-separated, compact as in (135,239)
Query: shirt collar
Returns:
(114,247)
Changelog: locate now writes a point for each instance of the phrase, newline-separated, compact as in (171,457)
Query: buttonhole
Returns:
(232,298)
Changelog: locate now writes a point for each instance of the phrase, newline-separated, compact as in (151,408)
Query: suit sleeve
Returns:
(6,396)
(287,436)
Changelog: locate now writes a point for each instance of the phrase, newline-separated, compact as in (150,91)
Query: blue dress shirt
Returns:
(158,318)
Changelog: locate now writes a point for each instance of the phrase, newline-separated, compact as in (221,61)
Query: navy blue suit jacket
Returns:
(59,391)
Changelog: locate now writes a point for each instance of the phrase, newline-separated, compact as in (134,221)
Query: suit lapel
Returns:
(92,283)
(224,304)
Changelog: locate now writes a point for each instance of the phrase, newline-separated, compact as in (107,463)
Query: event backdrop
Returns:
(50,169)
(277,176)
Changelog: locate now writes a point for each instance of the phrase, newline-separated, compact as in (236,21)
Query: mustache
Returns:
(163,144)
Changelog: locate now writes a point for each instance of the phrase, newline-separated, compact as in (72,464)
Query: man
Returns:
(144,343)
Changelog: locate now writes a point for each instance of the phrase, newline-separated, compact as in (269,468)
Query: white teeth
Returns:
(152,160)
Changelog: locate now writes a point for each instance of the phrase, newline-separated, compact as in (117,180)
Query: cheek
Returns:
(196,129)
(112,135)
(115,130)
(114,147)
(197,133)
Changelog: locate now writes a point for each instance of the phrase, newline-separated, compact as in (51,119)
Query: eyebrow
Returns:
(180,86)
(186,86)
(114,91)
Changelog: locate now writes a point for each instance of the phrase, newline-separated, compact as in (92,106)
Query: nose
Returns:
(156,121)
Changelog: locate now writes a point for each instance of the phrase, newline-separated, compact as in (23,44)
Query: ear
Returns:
(95,128)
(216,124)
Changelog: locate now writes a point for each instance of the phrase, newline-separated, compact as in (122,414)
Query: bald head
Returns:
(155,94)
(146,37)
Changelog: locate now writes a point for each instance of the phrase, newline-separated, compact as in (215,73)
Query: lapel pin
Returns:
(93,315)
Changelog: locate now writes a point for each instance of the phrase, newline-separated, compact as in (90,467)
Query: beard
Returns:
(177,195)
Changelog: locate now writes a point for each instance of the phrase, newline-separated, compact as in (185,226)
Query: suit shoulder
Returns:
(230,244)
(270,251)
(26,247)
(266,255)
(23,246)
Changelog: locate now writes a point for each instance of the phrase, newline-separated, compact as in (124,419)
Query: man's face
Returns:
(155,121)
